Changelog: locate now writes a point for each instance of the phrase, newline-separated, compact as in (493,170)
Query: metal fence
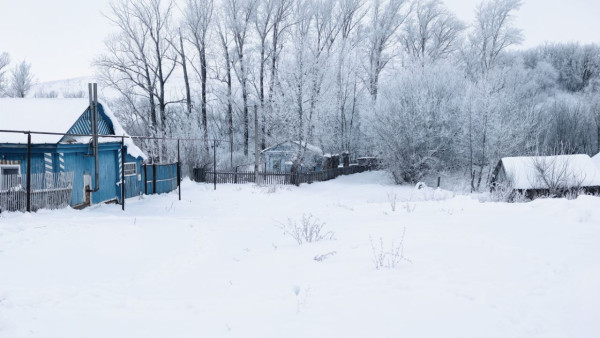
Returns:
(48,191)
(272,177)
(161,178)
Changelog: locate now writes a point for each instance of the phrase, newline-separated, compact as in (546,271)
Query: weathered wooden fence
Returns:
(270,177)
(48,191)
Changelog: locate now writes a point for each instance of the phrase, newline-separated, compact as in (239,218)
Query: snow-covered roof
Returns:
(51,115)
(566,170)
(309,147)
(596,159)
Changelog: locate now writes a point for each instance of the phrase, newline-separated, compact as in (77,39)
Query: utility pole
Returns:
(256,156)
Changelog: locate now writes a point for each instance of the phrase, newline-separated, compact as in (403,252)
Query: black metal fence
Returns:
(273,177)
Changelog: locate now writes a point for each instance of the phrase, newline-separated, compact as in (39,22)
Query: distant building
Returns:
(281,156)
(547,175)
(51,154)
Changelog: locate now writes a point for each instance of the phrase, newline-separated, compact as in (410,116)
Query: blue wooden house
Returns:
(52,154)
(279,158)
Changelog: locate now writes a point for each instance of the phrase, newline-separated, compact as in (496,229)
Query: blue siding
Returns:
(78,159)
(83,124)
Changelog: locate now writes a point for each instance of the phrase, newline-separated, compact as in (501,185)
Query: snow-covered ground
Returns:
(217,264)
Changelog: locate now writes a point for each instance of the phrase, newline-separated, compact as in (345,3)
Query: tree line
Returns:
(404,80)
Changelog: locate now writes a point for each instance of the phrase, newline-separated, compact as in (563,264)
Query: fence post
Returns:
(215,164)
(154,178)
(145,179)
(123,174)
(178,170)
(28,172)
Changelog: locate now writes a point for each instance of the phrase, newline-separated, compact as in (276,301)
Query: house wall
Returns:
(77,158)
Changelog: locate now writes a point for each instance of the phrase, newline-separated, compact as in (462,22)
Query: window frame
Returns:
(125,170)
(9,166)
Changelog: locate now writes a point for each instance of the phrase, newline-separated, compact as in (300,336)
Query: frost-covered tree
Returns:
(4,62)
(197,21)
(139,61)
(432,32)
(494,31)
(239,14)
(385,20)
(21,79)
(418,121)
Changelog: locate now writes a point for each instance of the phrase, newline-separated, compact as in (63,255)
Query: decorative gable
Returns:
(83,125)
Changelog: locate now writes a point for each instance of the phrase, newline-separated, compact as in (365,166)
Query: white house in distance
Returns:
(547,175)
(279,157)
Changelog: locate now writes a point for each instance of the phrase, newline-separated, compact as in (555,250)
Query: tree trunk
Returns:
(203,80)
(188,96)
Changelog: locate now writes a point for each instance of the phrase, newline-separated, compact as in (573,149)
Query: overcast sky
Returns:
(61,37)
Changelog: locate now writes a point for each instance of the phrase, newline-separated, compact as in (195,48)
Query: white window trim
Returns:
(9,166)
(135,167)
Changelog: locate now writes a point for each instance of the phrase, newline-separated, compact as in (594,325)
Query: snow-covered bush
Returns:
(387,257)
(392,198)
(309,229)
(417,121)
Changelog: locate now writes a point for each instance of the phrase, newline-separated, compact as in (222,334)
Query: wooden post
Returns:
(123,173)
(154,178)
(145,179)
(28,172)
(439,178)
(178,169)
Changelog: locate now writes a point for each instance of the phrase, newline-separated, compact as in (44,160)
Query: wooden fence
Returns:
(270,177)
(48,191)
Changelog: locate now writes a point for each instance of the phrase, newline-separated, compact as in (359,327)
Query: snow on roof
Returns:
(566,170)
(596,159)
(51,115)
(309,147)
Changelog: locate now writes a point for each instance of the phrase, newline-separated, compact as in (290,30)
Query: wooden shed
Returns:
(546,175)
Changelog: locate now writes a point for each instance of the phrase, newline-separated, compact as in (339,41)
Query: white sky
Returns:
(61,37)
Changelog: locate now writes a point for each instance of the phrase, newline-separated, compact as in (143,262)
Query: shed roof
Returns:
(309,147)
(571,170)
(52,115)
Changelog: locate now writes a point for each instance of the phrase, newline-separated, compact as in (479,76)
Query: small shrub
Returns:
(392,198)
(409,208)
(309,229)
(388,257)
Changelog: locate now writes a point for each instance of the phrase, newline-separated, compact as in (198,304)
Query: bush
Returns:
(309,229)
(388,257)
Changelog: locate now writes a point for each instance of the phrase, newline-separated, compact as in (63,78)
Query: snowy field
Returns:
(218,264)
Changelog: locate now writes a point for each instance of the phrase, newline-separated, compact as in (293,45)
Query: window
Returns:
(10,176)
(276,165)
(130,169)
